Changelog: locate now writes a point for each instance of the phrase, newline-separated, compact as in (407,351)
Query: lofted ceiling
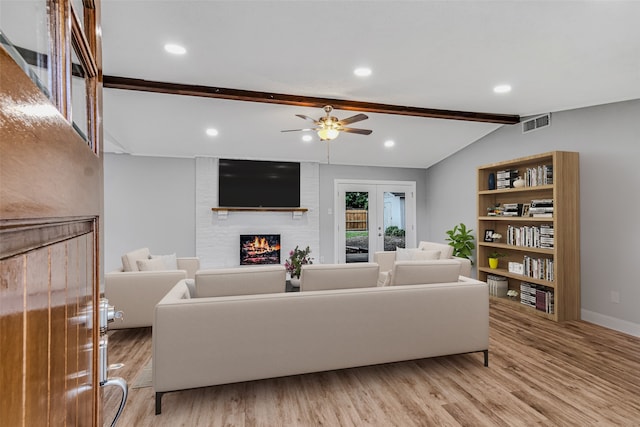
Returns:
(448,55)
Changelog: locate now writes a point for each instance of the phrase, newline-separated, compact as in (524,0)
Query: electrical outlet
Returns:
(615,297)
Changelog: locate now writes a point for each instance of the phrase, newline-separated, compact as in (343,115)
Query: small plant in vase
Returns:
(297,258)
(493,259)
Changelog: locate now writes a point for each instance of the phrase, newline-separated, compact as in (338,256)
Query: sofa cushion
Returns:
(321,277)
(156,264)
(446,251)
(424,272)
(129,259)
(241,281)
(171,260)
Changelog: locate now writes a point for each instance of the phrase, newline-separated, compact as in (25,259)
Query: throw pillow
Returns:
(171,261)
(425,255)
(156,264)
(403,254)
(446,251)
(129,259)
(384,278)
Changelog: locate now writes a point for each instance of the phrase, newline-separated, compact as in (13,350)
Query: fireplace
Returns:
(259,249)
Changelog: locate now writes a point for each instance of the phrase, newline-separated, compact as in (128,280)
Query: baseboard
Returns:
(611,322)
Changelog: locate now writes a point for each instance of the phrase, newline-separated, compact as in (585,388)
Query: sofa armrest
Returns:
(465,266)
(190,265)
(385,259)
(136,293)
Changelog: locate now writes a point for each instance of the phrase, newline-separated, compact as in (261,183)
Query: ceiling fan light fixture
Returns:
(327,134)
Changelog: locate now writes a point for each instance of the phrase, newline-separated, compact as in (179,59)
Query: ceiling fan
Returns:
(329,127)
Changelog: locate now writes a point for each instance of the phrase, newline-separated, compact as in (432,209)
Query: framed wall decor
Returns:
(488,235)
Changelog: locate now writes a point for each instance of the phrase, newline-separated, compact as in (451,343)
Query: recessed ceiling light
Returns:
(389,143)
(212,132)
(362,72)
(502,89)
(175,49)
(307,138)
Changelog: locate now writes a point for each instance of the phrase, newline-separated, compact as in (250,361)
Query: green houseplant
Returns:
(461,239)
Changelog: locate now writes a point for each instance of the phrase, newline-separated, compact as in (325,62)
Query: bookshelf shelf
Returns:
(526,239)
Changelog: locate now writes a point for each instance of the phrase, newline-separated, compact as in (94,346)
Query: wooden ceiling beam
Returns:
(114,82)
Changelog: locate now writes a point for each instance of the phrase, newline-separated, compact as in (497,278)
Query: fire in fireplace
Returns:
(259,249)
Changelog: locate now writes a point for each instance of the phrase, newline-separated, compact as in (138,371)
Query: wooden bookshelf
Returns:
(565,253)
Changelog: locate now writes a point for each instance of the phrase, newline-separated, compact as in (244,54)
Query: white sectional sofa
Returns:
(200,342)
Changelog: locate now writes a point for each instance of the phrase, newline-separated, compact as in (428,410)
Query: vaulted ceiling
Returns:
(444,55)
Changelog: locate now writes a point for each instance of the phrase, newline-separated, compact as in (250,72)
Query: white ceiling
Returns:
(556,55)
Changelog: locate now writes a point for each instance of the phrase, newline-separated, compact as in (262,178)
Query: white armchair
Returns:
(425,251)
(136,292)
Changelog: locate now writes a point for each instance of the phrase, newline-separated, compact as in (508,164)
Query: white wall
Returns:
(608,140)
(148,202)
(218,239)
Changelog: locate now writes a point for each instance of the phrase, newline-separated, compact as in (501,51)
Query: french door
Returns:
(373,216)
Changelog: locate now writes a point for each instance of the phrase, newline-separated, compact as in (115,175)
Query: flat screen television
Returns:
(258,184)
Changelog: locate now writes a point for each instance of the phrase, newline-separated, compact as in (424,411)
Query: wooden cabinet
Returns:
(540,267)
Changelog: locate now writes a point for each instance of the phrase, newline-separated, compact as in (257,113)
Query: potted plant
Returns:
(462,241)
(297,258)
(493,258)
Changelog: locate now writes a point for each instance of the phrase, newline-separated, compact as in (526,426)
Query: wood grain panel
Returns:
(37,142)
(37,338)
(12,322)
(85,396)
(73,334)
(58,319)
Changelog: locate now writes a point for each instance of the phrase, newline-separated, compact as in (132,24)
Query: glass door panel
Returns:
(356,226)
(394,220)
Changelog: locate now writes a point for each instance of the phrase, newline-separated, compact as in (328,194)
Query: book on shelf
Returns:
(505,178)
(537,296)
(498,285)
(541,202)
(541,175)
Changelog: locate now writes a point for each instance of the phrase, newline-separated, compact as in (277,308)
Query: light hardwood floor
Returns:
(540,373)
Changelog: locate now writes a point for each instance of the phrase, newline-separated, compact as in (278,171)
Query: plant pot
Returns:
(493,262)
(295,282)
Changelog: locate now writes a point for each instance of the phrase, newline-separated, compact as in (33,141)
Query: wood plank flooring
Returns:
(540,373)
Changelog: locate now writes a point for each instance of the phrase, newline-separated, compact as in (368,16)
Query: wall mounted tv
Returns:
(257,183)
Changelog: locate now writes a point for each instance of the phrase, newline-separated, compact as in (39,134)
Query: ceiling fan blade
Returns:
(297,130)
(358,131)
(353,119)
(302,116)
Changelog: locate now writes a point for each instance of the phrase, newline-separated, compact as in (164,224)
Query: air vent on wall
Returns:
(536,123)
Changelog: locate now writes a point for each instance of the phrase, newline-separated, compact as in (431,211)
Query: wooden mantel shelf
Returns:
(223,212)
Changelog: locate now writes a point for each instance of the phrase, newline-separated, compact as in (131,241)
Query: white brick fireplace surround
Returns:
(218,238)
